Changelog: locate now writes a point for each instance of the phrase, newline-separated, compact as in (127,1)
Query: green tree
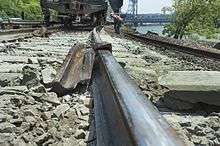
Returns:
(8,8)
(194,16)
(14,8)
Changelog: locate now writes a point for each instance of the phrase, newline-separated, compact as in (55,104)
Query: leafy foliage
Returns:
(14,8)
(194,16)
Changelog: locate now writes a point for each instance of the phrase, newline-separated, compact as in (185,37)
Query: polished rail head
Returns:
(129,112)
(124,115)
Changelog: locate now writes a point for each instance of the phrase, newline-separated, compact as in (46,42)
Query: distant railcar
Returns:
(94,11)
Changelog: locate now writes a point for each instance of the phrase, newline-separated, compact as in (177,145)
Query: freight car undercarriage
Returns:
(75,11)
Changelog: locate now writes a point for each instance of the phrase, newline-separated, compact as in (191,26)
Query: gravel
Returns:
(197,124)
(30,114)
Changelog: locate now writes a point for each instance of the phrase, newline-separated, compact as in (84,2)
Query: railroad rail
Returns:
(16,31)
(124,115)
(178,45)
(15,34)
(23,23)
(20,24)
(25,30)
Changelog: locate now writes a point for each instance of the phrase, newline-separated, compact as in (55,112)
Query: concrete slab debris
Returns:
(193,86)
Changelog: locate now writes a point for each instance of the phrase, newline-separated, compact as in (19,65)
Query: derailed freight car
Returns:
(94,11)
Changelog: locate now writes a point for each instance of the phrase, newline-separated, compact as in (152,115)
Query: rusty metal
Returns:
(77,67)
(88,11)
(123,114)
(16,34)
(77,7)
(97,42)
(26,30)
(177,45)
(23,24)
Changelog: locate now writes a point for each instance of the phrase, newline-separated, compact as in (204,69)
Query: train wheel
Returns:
(67,22)
(99,19)
(47,20)
(61,20)
(102,17)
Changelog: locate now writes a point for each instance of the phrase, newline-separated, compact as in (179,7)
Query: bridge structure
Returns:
(133,17)
(143,19)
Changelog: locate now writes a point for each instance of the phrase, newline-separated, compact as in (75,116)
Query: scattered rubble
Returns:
(61,109)
(197,129)
(48,75)
(30,76)
(42,32)
(192,86)
(8,48)
(10,79)
(146,63)
(33,115)
(30,114)
(51,97)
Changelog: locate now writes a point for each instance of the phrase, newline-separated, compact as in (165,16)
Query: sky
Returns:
(149,6)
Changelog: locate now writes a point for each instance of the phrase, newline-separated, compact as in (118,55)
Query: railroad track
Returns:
(24,24)
(15,34)
(118,121)
(27,68)
(178,45)
(145,62)
(122,114)
(22,30)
